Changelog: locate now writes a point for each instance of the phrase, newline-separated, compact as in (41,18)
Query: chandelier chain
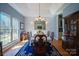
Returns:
(39,9)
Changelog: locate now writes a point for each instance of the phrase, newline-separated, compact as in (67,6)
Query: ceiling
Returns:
(32,9)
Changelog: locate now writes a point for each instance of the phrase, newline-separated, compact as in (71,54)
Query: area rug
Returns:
(26,50)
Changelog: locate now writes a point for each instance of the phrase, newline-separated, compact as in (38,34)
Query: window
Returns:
(15,28)
(5,28)
(8,28)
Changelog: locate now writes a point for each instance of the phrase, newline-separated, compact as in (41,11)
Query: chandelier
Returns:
(40,18)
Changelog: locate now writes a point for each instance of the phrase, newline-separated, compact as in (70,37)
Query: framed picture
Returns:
(21,25)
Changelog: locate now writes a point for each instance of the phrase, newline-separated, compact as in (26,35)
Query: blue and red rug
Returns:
(27,50)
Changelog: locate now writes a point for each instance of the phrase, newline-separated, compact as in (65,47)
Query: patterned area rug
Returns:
(27,50)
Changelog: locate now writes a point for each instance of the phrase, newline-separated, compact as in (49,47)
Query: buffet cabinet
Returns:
(71,33)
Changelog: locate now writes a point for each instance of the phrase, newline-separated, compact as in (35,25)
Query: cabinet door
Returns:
(1,49)
(77,31)
(77,40)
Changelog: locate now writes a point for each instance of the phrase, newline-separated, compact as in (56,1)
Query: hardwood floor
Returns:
(12,51)
(58,46)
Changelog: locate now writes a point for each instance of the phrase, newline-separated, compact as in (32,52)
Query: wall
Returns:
(66,9)
(51,26)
